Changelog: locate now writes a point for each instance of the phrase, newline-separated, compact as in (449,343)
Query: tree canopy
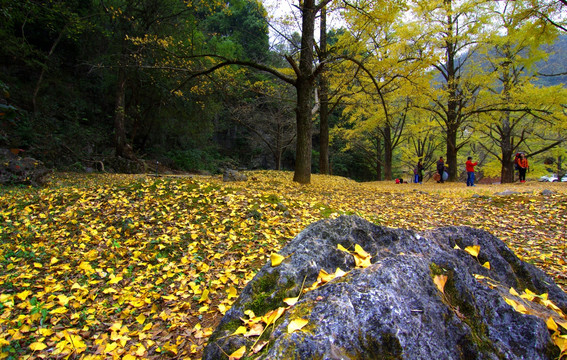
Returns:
(197,86)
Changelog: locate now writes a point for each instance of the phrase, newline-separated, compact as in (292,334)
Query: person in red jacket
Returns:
(470,171)
(522,167)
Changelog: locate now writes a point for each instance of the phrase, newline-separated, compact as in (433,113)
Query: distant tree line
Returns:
(196,86)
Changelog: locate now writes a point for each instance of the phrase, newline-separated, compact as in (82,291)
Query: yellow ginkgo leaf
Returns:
(45,332)
(141,319)
(110,347)
(204,296)
(291,301)
(362,263)
(440,281)
(59,310)
(514,292)
(342,248)
(276,259)
(232,293)
(339,273)
(551,324)
(23,295)
(325,276)
(114,280)
(62,300)
(561,342)
(272,316)
(241,330)
(37,346)
(473,250)
(486,265)
(360,251)
(237,354)
(296,325)
(141,350)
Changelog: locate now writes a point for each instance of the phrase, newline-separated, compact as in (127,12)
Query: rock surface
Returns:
(233,175)
(21,170)
(393,309)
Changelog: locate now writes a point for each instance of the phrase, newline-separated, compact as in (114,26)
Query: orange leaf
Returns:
(440,281)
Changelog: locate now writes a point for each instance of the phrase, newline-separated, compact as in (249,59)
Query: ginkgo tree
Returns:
(454,28)
(522,116)
(386,60)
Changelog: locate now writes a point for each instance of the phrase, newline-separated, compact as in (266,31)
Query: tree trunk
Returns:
(507,172)
(452,101)
(388,152)
(378,158)
(451,161)
(304,88)
(122,148)
(324,99)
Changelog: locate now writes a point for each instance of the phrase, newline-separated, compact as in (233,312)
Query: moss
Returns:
(477,341)
(325,210)
(232,325)
(265,298)
(386,347)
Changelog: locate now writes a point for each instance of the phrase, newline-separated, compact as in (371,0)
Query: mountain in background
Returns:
(556,64)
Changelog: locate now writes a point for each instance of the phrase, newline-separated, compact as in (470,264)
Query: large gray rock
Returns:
(393,309)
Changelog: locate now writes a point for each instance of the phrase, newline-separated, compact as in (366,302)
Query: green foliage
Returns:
(195,159)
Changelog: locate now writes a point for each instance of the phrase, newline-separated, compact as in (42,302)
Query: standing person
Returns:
(470,171)
(441,169)
(523,167)
(419,172)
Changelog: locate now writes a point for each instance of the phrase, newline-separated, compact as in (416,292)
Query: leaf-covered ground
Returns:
(126,267)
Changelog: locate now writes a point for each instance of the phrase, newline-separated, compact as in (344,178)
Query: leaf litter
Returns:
(125,266)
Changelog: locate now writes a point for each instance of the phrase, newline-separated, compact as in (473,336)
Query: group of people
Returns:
(520,163)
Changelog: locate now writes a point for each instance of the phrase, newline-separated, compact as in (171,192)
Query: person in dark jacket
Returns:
(441,169)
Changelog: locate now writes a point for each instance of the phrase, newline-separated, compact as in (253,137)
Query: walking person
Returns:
(420,172)
(523,166)
(441,169)
(469,165)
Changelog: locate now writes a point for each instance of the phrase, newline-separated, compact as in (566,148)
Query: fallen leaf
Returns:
(276,259)
(551,325)
(440,281)
(473,250)
(241,330)
(259,347)
(291,301)
(237,354)
(296,325)
(37,346)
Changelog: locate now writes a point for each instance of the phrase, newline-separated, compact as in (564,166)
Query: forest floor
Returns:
(133,266)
